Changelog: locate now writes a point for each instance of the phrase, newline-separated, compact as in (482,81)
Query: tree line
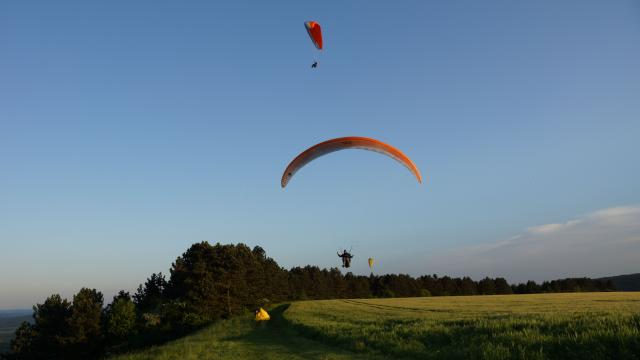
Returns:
(211,282)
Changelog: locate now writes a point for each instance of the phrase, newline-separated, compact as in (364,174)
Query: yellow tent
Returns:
(262,315)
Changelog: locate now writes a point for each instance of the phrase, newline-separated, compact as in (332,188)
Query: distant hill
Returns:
(15,312)
(9,321)
(629,282)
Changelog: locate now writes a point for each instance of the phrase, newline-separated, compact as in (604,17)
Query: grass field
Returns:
(240,338)
(558,326)
(569,326)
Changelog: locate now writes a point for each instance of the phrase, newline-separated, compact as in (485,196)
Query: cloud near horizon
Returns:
(605,242)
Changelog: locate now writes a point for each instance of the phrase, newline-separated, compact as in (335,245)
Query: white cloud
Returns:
(550,228)
(622,215)
(605,242)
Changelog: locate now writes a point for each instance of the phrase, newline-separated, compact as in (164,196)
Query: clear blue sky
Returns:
(130,130)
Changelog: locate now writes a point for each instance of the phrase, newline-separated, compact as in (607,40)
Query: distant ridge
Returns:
(629,282)
(15,312)
(9,322)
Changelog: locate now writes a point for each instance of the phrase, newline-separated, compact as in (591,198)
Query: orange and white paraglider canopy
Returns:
(350,142)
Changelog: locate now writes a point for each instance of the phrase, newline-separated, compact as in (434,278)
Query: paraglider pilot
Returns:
(346,258)
(315,64)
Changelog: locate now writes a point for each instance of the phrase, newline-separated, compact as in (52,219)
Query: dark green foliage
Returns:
(49,335)
(310,282)
(150,296)
(502,287)
(51,329)
(85,323)
(564,285)
(357,286)
(24,340)
(120,318)
(51,325)
(487,286)
(215,281)
(467,286)
(398,286)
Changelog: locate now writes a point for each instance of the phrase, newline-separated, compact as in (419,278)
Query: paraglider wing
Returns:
(351,142)
(262,315)
(315,33)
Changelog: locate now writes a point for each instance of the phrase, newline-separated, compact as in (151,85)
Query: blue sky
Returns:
(130,130)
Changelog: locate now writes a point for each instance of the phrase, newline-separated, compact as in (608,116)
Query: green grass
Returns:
(241,338)
(559,326)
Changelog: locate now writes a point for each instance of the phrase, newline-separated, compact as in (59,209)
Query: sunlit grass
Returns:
(577,325)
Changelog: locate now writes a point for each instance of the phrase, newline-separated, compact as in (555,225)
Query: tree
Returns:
(24,341)
(85,322)
(277,281)
(149,297)
(468,286)
(532,288)
(357,286)
(195,281)
(449,286)
(338,284)
(428,283)
(46,338)
(120,317)
(486,286)
(502,287)
(222,280)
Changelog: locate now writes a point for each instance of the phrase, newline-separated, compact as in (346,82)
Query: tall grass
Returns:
(541,326)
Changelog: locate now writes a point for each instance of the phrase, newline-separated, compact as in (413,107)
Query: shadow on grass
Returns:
(265,332)
(150,339)
(279,335)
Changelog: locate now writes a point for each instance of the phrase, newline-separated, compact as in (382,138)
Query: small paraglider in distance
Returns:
(315,33)
(371,264)
(346,258)
(350,142)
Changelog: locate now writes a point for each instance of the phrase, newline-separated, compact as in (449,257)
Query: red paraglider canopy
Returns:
(315,33)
